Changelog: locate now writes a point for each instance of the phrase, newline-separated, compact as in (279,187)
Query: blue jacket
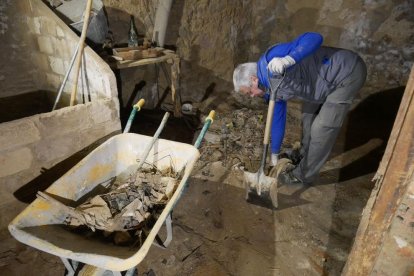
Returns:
(300,48)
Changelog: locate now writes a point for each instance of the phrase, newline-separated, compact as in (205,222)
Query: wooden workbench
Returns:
(167,56)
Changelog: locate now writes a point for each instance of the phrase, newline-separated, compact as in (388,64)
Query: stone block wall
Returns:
(56,43)
(38,142)
(16,70)
(35,51)
(39,53)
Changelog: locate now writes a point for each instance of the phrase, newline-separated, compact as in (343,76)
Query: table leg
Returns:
(175,76)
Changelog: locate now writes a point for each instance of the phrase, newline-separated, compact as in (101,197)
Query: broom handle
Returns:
(80,51)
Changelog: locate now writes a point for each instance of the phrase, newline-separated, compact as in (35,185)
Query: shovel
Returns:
(258,183)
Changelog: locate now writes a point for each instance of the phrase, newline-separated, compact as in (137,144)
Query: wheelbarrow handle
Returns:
(135,108)
(207,123)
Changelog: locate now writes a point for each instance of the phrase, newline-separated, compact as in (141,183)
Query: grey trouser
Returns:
(321,124)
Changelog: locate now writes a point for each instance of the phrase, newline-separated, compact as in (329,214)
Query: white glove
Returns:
(279,65)
(274,157)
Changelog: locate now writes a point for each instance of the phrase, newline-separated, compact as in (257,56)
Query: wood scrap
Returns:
(135,53)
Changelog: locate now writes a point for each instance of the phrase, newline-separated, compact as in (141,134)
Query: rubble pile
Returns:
(128,204)
(131,206)
(236,139)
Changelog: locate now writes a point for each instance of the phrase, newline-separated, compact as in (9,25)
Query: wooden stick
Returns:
(80,51)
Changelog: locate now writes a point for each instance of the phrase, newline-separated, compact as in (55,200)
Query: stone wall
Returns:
(36,47)
(40,49)
(214,36)
(17,70)
(56,44)
(32,146)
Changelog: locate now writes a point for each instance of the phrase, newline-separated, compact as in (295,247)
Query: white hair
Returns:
(242,74)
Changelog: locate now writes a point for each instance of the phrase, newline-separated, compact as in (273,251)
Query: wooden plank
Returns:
(389,191)
(167,55)
(138,54)
(406,101)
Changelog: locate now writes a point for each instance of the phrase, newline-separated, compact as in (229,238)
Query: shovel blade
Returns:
(262,186)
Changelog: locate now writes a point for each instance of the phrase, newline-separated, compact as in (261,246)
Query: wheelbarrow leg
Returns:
(70,265)
(164,244)
(130,272)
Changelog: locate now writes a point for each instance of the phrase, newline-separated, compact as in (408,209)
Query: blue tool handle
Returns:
(207,123)
(134,110)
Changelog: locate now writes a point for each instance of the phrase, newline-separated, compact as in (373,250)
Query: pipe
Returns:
(66,77)
(161,22)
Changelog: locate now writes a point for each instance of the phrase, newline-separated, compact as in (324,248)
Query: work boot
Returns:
(287,178)
(293,155)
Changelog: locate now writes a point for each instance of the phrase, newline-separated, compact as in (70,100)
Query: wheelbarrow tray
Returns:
(40,224)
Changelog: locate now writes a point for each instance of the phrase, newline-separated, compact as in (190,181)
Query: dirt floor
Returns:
(216,232)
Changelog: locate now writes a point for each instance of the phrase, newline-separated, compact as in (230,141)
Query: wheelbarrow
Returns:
(40,224)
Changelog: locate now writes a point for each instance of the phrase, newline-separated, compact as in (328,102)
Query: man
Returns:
(326,80)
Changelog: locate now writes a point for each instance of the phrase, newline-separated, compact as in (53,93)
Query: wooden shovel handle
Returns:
(269,120)
(80,51)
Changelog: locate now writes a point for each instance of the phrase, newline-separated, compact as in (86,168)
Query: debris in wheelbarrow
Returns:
(129,206)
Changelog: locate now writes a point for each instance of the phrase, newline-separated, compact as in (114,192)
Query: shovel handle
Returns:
(211,116)
(137,107)
(207,123)
(139,104)
(269,120)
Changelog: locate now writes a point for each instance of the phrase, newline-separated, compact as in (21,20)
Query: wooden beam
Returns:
(393,177)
